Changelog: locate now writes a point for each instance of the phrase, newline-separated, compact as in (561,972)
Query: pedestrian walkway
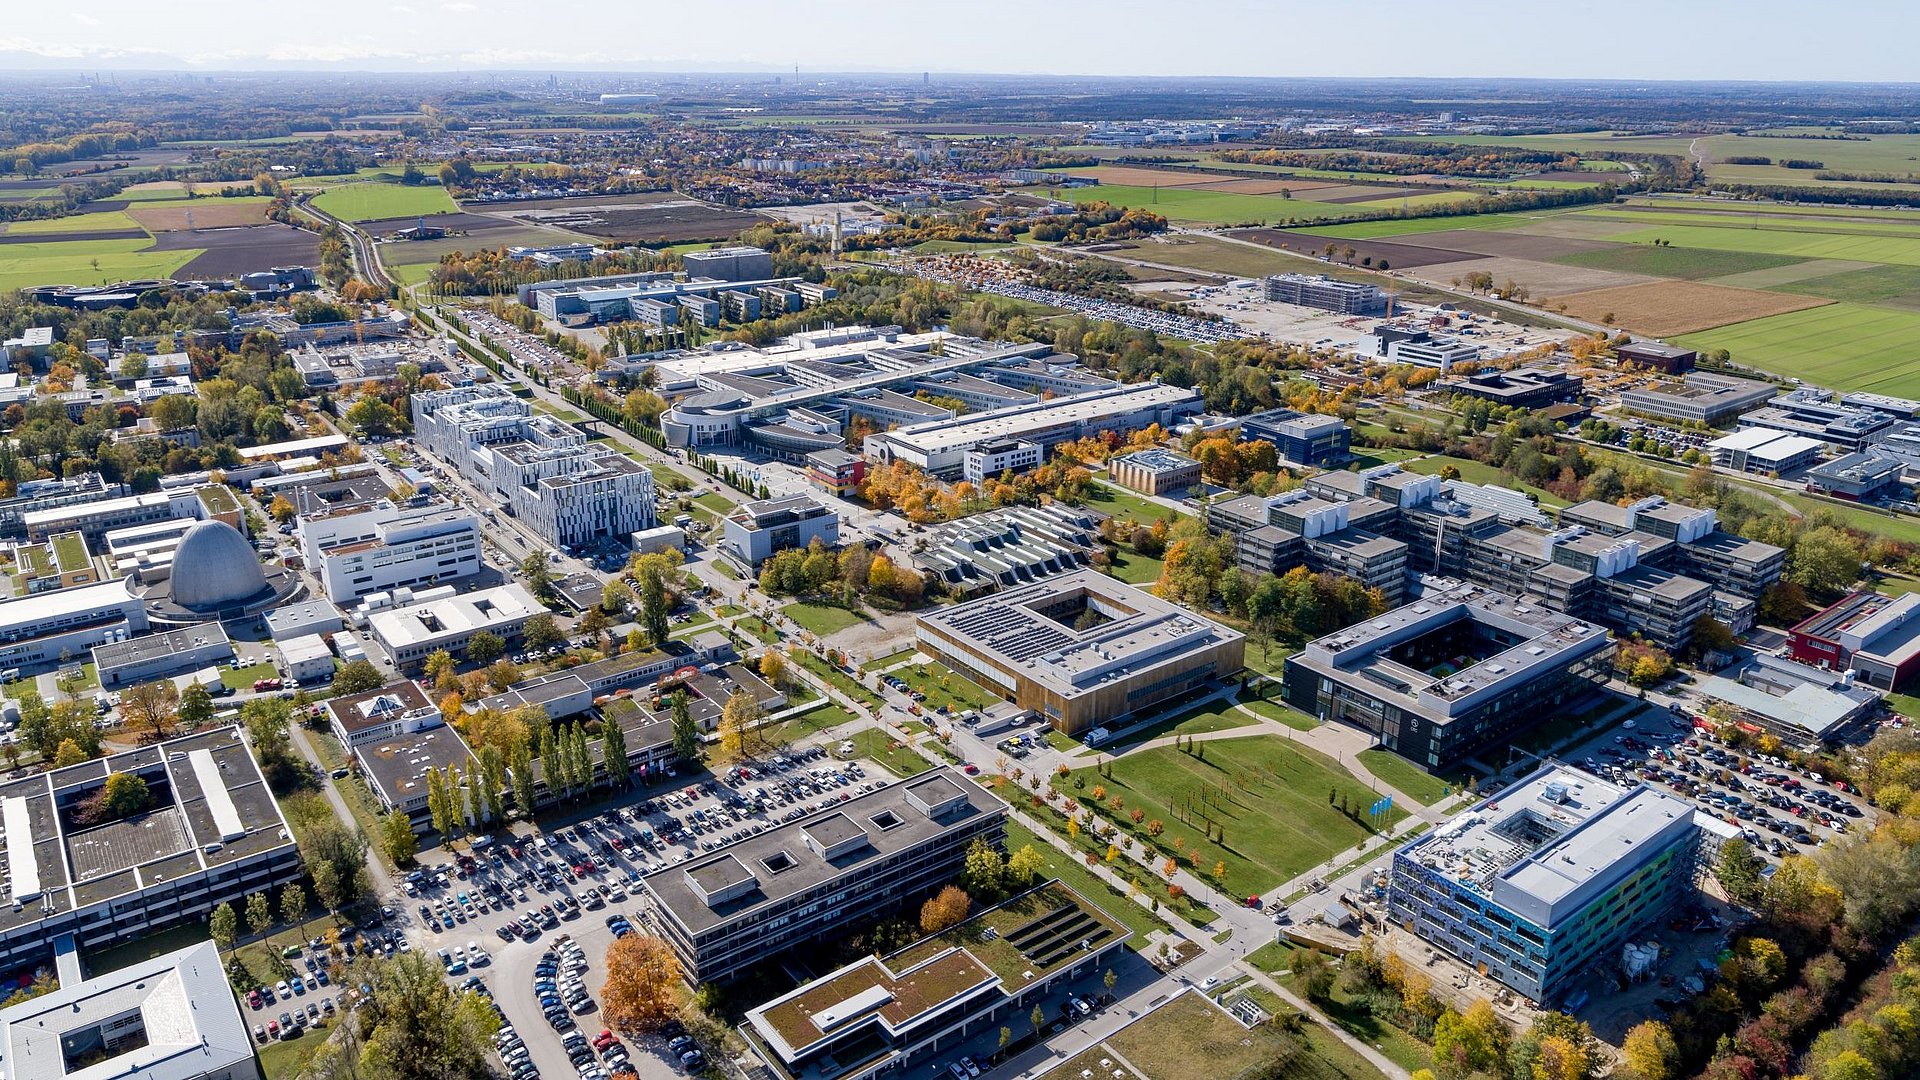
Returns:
(1374,1057)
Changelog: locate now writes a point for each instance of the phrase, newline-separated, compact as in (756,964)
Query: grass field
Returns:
(86,262)
(1214,717)
(1189,1036)
(899,759)
(1119,502)
(1134,568)
(1377,230)
(373,201)
(1670,308)
(822,619)
(1078,878)
(1674,262)
(1798,242)
(1205,207)
(1274,710)
(1897,285)
(1398,772)
(98,221)
(944,687)
(1271,802)
(1843,346)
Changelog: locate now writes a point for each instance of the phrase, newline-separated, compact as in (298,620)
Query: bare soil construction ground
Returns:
(1665,308)
(1399,255)
(231,252)
(672,222)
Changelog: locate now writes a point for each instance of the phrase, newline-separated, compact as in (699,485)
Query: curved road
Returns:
(363,250)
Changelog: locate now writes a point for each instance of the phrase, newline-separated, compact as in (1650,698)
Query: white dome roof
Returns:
(214,567)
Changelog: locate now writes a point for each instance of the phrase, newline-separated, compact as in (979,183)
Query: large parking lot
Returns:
(530,917)
(1778,807)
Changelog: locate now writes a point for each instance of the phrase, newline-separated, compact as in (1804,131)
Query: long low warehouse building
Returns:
(940,446)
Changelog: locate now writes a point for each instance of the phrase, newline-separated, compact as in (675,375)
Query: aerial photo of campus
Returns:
(1238,542)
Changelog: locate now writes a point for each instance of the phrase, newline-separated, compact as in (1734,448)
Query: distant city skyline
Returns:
(1630,39)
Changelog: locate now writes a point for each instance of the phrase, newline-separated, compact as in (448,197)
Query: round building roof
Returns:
(214,567)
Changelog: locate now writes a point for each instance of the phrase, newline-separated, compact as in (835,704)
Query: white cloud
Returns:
(85,19)
(459,5)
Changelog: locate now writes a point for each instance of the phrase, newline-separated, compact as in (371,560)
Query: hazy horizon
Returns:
(1632,40)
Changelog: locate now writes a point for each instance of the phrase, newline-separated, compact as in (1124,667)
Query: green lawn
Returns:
(1268,794)
(757,626)
(238,679)
(901,760)
(1475,472)
(1214,255)
(822,619)
(1216,716)
(1077,877)
(284,1060)
(1844,346)
(1690,264)
(374,201)
(1274,710)
(1190,1036)
(841,681)
(1119,502)
(881,663)
(811,722)
(1134,568)
(945,688)
(1398,772)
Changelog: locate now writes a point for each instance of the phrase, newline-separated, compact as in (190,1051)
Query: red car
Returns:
(254,1000)
(971,769)
(603,1040)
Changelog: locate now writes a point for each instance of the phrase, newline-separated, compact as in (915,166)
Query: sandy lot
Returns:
(1665,308)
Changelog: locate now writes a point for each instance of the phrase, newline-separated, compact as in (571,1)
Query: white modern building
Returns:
(378,547)
(155,656)
(571,492)
(173,1017)
(1764,450)
(756,531)
(46,628)
(408,635)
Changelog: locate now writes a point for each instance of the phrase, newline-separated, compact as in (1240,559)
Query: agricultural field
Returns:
(98,225)
(1206,253)
(1845,346)
(1198,206)
(1268,793)
(1667,308)
(86,262)
(372,201)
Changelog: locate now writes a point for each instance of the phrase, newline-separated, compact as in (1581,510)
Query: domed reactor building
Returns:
(215,577)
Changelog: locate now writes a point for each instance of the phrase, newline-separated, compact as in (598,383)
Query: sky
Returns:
(1761,40)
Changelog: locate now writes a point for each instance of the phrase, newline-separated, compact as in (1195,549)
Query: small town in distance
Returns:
(588,574)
